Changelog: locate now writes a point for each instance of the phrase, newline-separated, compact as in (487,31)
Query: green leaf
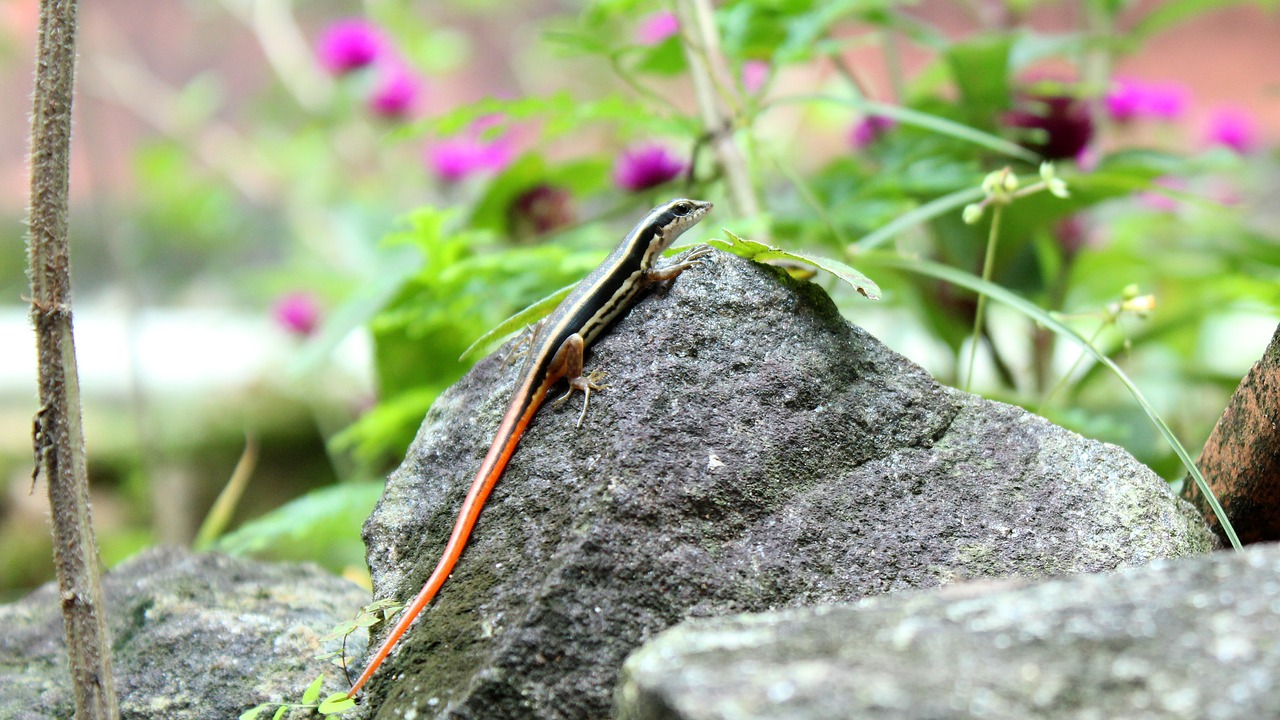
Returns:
(665,58)
(1031,47)
(572,42)
(387,429)
(367,620)
(280,712)
(789,31)
(253,712)
(519,321)
(1172,12)
(1048,320)
(342,629)
(560,114)
(759,252)
(336,703)
(312,693)
(388,605)
(316,526)
(980,68)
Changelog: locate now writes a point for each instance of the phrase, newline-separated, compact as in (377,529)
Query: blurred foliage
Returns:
(308,185)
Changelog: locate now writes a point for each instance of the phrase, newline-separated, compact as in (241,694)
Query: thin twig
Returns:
(218,145)
(285,48)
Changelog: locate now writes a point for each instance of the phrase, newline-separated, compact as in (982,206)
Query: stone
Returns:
(753,451)
(194,636)
(1186,639)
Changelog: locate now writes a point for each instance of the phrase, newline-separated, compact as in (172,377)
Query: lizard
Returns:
(555,352)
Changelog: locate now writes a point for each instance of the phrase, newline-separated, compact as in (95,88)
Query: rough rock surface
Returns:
(753,451)
(193,636)
(1190,639)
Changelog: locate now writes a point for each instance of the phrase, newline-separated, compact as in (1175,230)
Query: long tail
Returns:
(504,444)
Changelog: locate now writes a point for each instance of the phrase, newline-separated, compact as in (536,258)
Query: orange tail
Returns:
(504,444)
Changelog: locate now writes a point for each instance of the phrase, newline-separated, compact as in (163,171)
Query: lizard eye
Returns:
(681,209)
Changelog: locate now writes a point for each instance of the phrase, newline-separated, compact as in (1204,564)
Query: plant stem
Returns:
(988,263)
(59,435)
(709,74)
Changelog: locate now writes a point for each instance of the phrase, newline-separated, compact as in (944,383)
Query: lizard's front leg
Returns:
(667,272)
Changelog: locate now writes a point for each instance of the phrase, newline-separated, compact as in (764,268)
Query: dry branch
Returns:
(58,436)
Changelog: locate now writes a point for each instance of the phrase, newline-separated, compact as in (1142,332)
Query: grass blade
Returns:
(907,116)
(525,317)
(930,210)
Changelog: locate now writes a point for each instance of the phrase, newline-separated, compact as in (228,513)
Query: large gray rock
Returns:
(1189,639)
(193,637)
(753,451)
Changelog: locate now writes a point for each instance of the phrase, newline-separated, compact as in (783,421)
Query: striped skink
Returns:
(555,352)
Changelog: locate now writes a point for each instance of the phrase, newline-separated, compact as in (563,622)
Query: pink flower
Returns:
(657,27)
(1124,99)
(397,91)
(645,166)
(1167,101)
(462,155)
(297,312)
(754,74)
(869,129)
(1233,127)
(1131,99)
(349,44)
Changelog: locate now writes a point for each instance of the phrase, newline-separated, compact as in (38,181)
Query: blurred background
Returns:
(249,175)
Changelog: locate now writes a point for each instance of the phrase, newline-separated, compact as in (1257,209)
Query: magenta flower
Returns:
(349,44)
(1131,99)
(463,155)
(645,166)
(754,74)
(1233,127)
(1167,101)
(1124,99)
(869,129)
(297,312)
(657,27)
(397,91)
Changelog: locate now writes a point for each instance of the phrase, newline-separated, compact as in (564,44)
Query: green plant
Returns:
(853,134)
(335,703)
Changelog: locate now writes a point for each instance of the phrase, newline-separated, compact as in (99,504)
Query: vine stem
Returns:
(58,436)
